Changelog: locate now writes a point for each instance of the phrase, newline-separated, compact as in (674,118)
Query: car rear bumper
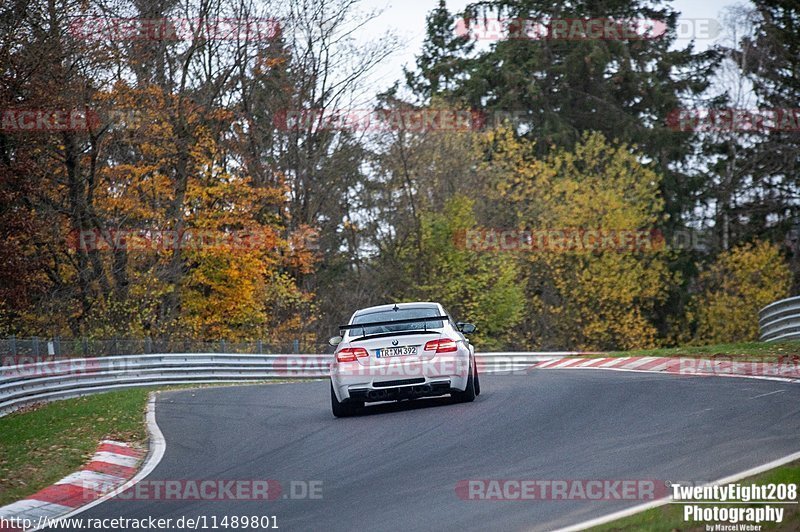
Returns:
(417,379)
(399,391)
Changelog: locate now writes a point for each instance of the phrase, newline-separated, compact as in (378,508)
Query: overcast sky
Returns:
(407,19)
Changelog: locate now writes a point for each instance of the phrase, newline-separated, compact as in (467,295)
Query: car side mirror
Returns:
(466,328)
(335,340)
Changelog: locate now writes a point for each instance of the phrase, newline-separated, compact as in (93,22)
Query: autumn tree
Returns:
(485,288)
(586,296)
(732,290)
(286,133)
(156,157)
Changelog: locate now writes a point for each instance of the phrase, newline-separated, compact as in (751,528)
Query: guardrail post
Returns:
(13,345)
(296,347)
(222,346)
(148,345)
(85,345)
(36,347)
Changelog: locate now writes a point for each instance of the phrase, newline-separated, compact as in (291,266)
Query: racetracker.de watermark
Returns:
(48,120)
(174,29)
(561,490)
(29,366)
(156,239)
(441,364)
(568,240)
(410,120)
(578,240)
(584,29)
(734,120)
(207,490)
(51,120)
(782,366)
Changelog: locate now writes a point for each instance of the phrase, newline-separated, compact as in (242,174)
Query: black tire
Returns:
(477,381)
(343,409)
(468,395)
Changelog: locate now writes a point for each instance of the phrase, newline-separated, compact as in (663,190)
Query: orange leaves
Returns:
(189,227)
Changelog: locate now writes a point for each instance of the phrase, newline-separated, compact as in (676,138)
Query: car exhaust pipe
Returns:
(423,389)
(376,394)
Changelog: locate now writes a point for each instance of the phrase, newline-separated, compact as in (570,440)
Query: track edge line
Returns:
(666,500)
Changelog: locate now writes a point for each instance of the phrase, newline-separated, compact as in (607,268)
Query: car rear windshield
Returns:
(396,315)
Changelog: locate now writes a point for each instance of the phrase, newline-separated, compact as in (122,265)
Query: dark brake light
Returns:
(442,345)
(351,354)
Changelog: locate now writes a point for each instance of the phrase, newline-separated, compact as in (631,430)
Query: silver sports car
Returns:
(401,351)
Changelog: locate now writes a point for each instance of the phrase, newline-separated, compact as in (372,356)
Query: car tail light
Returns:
(442,345)
(351,354)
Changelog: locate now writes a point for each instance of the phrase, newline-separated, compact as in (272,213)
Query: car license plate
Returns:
(396,351)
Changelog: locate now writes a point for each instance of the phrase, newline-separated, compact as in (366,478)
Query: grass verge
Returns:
(670,516)
(743,351)
(41,446)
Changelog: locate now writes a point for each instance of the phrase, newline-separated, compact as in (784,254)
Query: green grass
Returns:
(670,516)
(744,351)
(41,446)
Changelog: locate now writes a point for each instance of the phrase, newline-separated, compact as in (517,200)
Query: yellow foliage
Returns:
(589,299)
(734,288)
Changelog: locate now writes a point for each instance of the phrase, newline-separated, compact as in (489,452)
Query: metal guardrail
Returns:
(780,320)
(26,384)
(86,347)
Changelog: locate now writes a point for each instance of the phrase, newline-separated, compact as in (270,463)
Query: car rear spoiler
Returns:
(392,322)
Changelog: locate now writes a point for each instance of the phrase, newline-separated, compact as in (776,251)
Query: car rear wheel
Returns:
(343,409)
(477,381)
(468,395)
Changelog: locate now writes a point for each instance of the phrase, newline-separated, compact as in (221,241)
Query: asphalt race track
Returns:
(396,467)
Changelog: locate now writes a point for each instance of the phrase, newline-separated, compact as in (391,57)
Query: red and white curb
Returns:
(112,465)
(784,370)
